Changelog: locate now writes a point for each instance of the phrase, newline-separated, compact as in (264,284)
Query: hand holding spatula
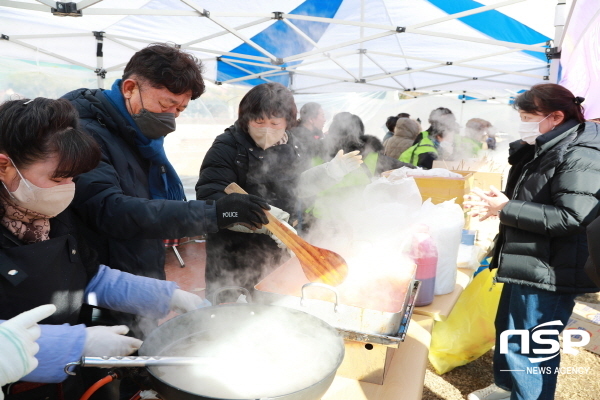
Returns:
(319,265)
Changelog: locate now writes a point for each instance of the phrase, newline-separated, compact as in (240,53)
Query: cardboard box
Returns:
(481,179)
(366,362)
(586,317)
(443,189)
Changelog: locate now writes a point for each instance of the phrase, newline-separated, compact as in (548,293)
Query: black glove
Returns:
(245,209)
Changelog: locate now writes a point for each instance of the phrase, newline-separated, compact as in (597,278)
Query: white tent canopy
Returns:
(486,48)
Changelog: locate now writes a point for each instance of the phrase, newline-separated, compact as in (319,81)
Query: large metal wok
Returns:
(228,334)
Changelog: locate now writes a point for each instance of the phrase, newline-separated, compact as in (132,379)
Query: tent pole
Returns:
(100,71)
(362,35)
(226,53)
(116,67)
(52,54)
(537,48)
(337,46)
(396,29)
(559,25)
(439,64)
(384,70)
(121,43)
(248,71)
(481,78)
(232,30)
(464,13)
(324,58)
(314,44)
(225,32)
(236,61)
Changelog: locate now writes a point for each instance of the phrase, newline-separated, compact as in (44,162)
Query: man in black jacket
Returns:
(134,199)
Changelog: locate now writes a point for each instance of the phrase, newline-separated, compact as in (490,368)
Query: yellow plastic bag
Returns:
(469,331)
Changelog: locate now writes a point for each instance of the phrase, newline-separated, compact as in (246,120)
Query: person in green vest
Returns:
(471,144)
(347,134)
(436,142)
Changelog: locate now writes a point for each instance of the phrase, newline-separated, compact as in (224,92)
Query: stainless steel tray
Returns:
(358,320)
(386,340)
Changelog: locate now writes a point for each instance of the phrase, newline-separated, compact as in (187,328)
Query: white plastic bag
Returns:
(446,221)
(404,192)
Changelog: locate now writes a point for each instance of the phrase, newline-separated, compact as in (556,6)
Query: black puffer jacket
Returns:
(235,258)
(310,142)
(554,196)
(120,221)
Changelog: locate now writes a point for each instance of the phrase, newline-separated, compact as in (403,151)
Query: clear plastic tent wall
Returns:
(349,55)
(581,55)
(312,46)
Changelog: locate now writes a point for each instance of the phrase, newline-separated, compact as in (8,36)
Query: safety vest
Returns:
(467,147)
(356,178)
(425,145)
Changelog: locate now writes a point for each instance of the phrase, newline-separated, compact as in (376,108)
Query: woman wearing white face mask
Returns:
(43,260)
(551,195)
(258,154)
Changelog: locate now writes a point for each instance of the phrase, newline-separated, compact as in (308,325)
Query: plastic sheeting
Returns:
(581,55)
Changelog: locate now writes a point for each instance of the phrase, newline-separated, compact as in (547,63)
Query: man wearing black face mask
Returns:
(133,200)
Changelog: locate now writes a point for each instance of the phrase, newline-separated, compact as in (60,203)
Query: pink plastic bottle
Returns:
(425,255)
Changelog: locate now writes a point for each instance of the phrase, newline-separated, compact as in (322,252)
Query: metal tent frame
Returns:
(296,65)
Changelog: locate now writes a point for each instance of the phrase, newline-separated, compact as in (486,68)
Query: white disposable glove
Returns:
(343,164)
(276,239)
(109,341)
(278,213)
(283,217)
(17,343)
(183,301)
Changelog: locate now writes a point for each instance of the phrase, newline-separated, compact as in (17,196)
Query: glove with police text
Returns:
(109,341)
(276,212)
(343,164)
(17,343)
(183,301)
(245,209)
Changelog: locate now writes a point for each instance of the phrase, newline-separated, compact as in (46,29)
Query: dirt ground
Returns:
(458,383)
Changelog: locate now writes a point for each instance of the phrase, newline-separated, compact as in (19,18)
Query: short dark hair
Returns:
(308,111)
(438,112)
(265,101)
(32,130)
(345,132)
(403,115)
(546,98)
(164,65)
(391,123)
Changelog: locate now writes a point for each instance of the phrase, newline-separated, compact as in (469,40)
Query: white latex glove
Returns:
(343,164)
(109,341)
(183,301)
(17,343)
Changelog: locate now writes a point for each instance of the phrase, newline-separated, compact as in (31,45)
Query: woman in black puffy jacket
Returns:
(258,154)
(552,194)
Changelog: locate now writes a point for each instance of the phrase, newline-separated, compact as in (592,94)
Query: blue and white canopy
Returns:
(311,46)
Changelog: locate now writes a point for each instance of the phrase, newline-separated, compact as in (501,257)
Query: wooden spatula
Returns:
(319,265)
